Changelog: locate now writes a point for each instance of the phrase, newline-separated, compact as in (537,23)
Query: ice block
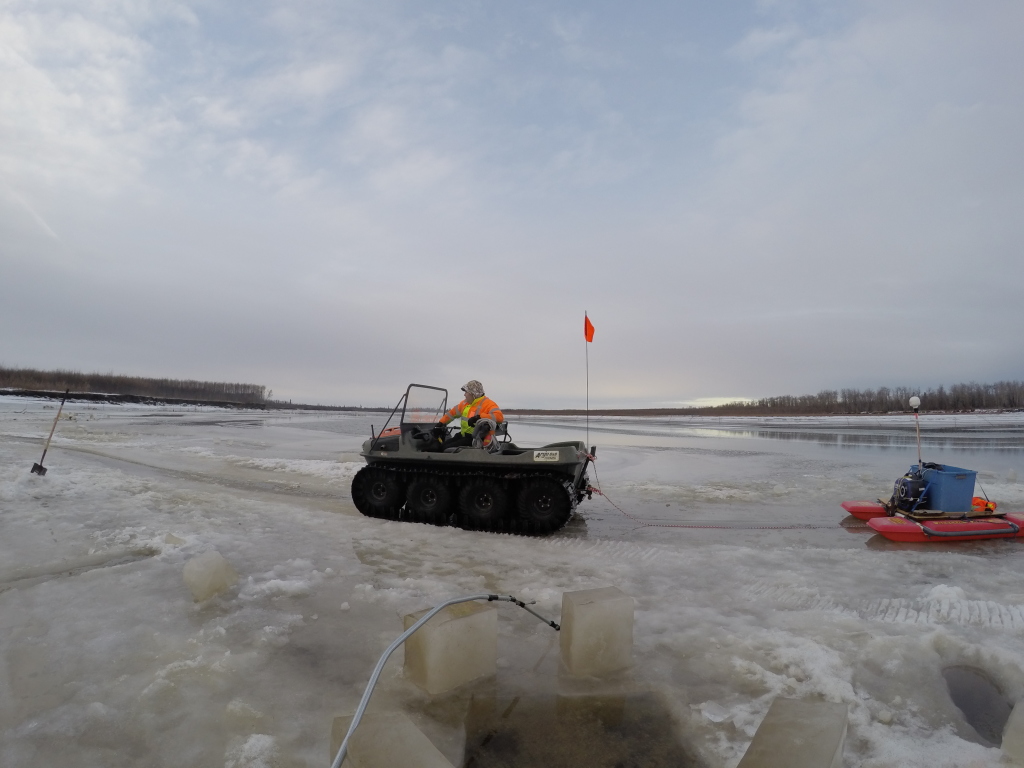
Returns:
(799,734)
(457,645)
(1013,735)
(386,740)
(597,631)
(208,574)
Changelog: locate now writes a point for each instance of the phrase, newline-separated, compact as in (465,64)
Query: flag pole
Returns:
(586,346)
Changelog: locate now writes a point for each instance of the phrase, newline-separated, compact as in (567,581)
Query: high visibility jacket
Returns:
(483,407)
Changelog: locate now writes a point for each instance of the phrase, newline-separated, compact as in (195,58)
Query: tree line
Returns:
(139,386)
(1003,395)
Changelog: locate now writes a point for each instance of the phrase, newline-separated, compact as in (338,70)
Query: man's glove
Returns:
(473,420)
(440,430)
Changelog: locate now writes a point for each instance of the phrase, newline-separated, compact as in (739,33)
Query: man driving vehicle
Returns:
(472,408)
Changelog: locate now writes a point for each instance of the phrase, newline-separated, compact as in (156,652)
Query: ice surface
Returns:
(115,665)
(457,645)
(799,734)
(597,631)
(385,740)
(208,574)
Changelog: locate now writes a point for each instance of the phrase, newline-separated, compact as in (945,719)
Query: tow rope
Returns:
(738,526)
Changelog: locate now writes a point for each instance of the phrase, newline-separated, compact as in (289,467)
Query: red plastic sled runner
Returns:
(901,529)
(864,510)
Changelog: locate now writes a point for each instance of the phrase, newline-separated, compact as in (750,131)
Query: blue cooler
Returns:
(950,489)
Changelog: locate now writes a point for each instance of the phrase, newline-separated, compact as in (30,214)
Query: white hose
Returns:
(343,750)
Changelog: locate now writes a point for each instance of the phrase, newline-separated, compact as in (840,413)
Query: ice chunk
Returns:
(945,592)
(597,631)
(1013,735)
(256,751)
(457,645)
(208,574)
(799,734)
(716,713)
(386,740)
(239,716)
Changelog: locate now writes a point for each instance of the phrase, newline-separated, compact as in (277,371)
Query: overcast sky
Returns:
(336,198)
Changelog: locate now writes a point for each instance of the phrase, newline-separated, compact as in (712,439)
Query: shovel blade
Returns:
(38,469)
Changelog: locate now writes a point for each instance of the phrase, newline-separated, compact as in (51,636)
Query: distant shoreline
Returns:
(718,413)
(103,397)
(274,405)
(972,397)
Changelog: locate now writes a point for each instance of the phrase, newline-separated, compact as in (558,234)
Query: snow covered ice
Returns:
(108,661)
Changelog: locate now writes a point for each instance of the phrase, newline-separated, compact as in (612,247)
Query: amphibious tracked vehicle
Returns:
(493,485)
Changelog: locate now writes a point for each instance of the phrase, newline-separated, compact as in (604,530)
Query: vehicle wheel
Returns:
(378,493)
(544,505)
(429,500)
(482,503)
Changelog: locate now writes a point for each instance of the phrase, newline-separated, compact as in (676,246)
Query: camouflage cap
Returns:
(473,388)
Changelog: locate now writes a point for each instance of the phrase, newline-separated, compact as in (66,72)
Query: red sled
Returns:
(899,528)
(868,510)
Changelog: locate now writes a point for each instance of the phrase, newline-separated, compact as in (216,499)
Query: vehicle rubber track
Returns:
(458,481)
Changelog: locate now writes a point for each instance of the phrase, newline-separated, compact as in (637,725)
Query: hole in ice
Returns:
(979,700)
(552,731)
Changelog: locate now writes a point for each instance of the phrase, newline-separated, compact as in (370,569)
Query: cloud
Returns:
(65,103)
(758,42)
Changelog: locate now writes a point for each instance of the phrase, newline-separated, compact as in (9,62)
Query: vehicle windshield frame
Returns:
(415,413)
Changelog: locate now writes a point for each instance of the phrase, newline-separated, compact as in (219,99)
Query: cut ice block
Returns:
(386,740)
(208,574)
(1013,735)
(597,631)
(799,734)
(457,645)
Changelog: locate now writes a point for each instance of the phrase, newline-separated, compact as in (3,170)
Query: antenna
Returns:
(915,403)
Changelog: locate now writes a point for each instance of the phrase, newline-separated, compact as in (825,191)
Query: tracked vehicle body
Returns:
(494,485)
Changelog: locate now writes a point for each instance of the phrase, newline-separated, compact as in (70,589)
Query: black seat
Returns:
(417,434)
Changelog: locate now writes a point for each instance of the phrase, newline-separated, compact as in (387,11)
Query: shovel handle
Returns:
(55,420)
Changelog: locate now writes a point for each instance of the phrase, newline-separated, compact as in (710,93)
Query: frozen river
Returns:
(109,662)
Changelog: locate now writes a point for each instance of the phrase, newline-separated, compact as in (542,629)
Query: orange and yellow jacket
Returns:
(483,407)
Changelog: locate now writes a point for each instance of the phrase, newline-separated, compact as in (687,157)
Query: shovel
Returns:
(39,469)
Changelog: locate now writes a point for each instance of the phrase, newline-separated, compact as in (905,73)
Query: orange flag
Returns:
(588,328)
